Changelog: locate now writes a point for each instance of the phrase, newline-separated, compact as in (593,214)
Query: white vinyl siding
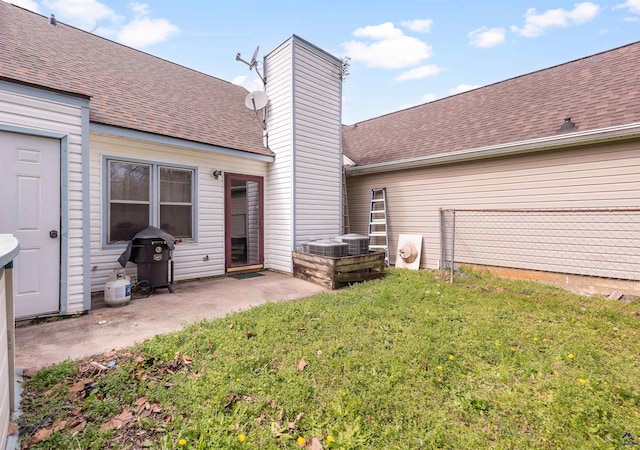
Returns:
(189,257)
(304,125)
(589,177)
(52,116)
(279,184)
(318,164)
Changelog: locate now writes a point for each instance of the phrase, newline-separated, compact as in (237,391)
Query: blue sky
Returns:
(403,52)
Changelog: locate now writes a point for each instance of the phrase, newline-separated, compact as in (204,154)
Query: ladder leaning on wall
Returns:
(378,225)
(346,228)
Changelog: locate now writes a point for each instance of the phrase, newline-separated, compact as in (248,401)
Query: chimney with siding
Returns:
(304,125)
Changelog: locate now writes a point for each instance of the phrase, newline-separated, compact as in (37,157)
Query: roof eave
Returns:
(595,136)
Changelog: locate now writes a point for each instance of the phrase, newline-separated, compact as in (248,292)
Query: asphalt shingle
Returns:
(595,92)
(127,88)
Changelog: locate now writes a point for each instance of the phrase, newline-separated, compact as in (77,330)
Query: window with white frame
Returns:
(140,194)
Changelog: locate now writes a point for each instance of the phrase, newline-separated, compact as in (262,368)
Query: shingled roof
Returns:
(127,88)
(595,92)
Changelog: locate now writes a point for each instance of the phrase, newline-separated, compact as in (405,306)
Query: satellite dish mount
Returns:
(253,63)
(257,100)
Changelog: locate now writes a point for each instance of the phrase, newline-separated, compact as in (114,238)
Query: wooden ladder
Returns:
(378,225)
(346,228)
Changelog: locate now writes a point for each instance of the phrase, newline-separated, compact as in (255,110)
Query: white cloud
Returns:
(138,31)
(487,37)
(250,84)
(391,48)
(83,14)
(426,98)
(535,24)
(26,4)
(146,31)
(418,25)
(463,88)
(632,5)
(419,72)
(140,9)
(383,31)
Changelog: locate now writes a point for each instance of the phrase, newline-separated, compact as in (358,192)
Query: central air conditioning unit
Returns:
(328,247)
(358,244)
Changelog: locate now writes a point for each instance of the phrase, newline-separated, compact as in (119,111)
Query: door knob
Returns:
(53,234)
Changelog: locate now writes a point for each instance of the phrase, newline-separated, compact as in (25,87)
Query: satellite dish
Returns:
(256,100)
(253,58)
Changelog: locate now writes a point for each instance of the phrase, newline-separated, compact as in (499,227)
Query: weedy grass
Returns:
(403,362)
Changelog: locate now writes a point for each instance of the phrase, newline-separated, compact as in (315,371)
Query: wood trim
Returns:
(228,179)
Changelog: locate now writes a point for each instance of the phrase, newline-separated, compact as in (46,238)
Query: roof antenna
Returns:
(53,21)
(253,64)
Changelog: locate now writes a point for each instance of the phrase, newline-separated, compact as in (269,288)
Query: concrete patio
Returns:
(104,329)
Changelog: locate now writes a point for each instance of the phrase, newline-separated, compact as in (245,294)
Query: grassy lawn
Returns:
(404,362)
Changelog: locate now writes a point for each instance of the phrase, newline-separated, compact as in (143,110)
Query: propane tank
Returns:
(117,291)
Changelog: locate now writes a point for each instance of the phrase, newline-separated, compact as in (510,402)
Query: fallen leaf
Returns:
(301,330)
(39,436)
(230,326)
(250,334)
(315,444)
(59,425)
(155,407)
(118,421)
(78,424)
(12,427)
(292,425)
(141,401)
(141,375)
(79,385)
(302,364)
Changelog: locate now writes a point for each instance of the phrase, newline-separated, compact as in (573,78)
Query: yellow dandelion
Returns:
(242,438)
(237,379)
(535,339)
(439,367)
(513,349)
(570,356)
(330,438)
(451,357)
(582,380)
(175,336)
(544,340)
(182,442)
(301,441)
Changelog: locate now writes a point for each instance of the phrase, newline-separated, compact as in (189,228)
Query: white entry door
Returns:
(30,210)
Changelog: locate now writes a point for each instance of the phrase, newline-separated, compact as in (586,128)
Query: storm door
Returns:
(244,234)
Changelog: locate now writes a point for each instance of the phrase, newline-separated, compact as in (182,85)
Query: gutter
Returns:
(599,135)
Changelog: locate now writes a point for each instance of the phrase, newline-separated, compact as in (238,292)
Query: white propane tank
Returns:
(117,291)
